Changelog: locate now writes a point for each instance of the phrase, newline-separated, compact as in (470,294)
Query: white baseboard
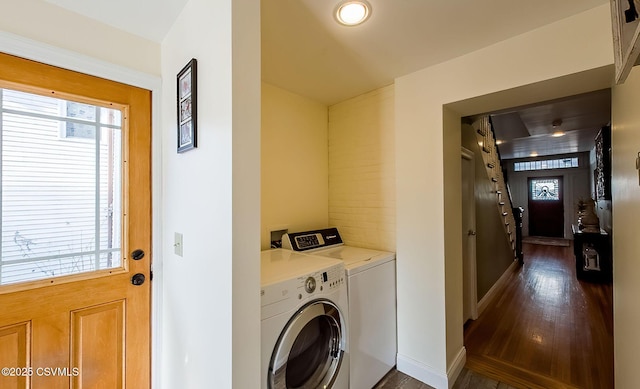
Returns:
(430,375)
(422,372)
(456,367)
(486,299)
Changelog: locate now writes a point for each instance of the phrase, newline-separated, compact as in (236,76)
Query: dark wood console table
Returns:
(600,242)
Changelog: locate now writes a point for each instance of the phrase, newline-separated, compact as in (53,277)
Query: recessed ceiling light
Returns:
(499,142)
(557,130)
(534,154)
(352,13)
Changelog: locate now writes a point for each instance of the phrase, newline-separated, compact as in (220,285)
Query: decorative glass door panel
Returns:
(545,189)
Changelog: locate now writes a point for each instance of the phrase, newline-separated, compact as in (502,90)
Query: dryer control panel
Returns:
(310,240)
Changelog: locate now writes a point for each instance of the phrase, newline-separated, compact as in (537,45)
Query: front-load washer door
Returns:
(309,351)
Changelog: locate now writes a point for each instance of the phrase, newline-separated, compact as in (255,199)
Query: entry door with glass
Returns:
(75,229)
(546,209)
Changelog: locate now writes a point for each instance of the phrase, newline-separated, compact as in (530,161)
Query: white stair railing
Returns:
(493,167)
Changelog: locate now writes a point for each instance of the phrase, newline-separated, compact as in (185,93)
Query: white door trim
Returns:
(51,55)
(472,282)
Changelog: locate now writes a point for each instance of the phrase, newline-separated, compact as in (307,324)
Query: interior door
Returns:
(72,316)
(546,209)
(469,286)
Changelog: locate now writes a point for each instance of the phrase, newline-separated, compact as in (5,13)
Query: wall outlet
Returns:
(177,244)
(276,238)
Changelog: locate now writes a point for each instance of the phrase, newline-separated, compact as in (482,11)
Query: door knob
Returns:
(471,233)
(138,279)
(137,254)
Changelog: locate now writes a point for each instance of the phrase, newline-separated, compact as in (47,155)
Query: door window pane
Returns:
(60,187)
(545,190)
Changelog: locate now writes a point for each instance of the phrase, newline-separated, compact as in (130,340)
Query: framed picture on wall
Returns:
(603,164)
(187,107)
(626,29)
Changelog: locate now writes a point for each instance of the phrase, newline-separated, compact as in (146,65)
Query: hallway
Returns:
(546,329)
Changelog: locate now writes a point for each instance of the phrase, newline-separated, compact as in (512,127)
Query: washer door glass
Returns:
(310,349)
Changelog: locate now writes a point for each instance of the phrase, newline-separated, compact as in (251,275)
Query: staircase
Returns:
(493,167)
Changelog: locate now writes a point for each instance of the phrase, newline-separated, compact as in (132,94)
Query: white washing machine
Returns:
(371,283)
(303,321)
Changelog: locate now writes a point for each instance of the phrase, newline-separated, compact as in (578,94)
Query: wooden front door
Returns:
(546,209)
(70,314)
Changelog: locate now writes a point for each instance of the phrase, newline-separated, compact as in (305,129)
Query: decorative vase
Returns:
(588,221)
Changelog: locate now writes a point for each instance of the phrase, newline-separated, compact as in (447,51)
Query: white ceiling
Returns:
(526,130)
(306,52)
(150,19)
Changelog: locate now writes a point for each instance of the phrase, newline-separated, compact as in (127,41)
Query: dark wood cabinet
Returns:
(593,255)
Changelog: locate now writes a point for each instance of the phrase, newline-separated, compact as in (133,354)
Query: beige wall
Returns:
(362,169)
(46,23)
(329,166)
(211,194)
(426,102)
(452,186)
(625,139)
(294,163)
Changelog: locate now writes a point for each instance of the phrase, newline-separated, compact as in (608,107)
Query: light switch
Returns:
(177,244)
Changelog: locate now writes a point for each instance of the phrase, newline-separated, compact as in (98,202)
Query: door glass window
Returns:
(545,189)
(60,187)
(310,355)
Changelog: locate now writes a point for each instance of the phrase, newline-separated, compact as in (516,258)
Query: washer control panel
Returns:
(319,282)
(281,296)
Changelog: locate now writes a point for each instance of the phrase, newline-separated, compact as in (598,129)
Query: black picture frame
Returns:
(603,164)
(187,107)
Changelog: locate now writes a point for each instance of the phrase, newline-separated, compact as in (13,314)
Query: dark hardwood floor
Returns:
(545,330)
(468,379)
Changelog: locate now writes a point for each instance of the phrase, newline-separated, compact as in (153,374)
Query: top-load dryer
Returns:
(371,286)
